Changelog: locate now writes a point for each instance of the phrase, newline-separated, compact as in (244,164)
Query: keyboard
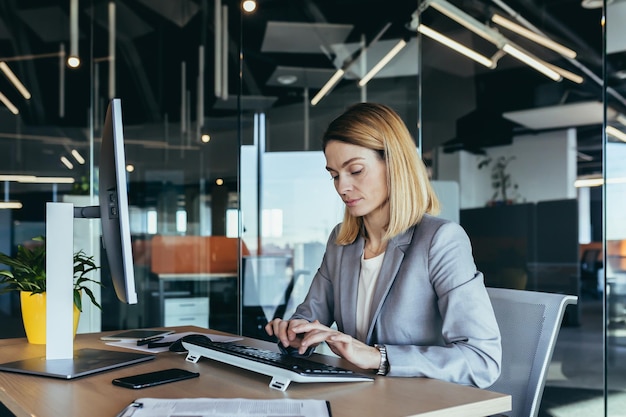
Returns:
(282,368)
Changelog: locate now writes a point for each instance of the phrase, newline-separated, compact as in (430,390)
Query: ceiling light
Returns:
(47,180)
(79,158)
(568,75)
(596,181)
(130,168)
(73,61)
(455,46)
(328,86)
(466,20)
(491,35)
(249,5)
(540,39)
(531,61)
(588,182)
(13,78)
(219,181)
(616,133)
(287,79)
(10,205)
(16,178)
(381,64)
(67,163)
(205,138)
(8,103)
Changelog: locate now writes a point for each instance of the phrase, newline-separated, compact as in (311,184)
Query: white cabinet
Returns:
(189,311)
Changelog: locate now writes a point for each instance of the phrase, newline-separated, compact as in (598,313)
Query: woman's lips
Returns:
(352,203)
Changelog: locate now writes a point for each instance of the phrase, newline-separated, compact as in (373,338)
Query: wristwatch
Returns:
(383,368)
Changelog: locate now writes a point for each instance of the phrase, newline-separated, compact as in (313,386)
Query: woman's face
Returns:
(359,175)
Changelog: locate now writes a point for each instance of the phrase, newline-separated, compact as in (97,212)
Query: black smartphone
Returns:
(151,379)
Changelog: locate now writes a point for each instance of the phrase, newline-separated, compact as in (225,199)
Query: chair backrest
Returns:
(529,322)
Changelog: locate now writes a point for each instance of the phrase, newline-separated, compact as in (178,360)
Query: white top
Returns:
(370,269)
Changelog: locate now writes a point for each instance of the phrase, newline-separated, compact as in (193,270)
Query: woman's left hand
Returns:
(349,348)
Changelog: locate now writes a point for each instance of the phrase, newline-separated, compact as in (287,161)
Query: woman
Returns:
(400,284)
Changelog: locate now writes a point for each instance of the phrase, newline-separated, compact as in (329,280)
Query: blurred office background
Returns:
(230,203)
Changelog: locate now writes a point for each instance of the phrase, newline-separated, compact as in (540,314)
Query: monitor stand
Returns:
(85,362)
(61,360)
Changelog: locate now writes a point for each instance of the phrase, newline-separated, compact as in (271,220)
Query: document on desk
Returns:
(226,407)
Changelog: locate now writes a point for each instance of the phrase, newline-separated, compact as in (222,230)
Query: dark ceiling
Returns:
(155,36)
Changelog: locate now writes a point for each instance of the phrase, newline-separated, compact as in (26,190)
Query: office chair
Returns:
(529,322)
(267,288)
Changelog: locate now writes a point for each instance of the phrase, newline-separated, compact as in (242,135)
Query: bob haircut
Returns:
(378,127)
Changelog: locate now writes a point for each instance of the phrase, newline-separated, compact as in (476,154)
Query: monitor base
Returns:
(85,362)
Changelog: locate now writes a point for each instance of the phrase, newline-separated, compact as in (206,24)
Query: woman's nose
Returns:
(343,184)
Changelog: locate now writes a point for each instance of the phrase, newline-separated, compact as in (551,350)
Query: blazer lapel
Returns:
(350,270)
(388,271)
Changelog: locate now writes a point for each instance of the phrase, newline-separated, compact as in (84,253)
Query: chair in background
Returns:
(529,322)
(268,282)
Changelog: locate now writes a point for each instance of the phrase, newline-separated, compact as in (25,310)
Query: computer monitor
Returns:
(114,214)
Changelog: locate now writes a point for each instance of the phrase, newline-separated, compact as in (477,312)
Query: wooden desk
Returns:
(29,396)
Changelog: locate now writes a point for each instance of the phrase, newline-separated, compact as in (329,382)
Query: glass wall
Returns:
(230,203)
(614,271)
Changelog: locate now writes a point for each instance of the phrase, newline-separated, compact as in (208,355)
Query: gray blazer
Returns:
(430,307)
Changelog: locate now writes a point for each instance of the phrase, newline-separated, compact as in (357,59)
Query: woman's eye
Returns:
(356,172)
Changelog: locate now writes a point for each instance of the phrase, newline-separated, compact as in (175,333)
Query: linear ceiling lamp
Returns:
(531,61)
(529,34)
(68,164)
(491,35)
(79,158)
(10,205)
(466,21)
(328,86)
(9,105)
(462,49)
(616,133)
(48,180)
(13,78)
(381,64)
(568,75)
(338,75)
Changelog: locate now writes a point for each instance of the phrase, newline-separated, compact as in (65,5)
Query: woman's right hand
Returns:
(282,329)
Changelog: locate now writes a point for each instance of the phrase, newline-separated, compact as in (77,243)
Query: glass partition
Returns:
(224,110)
(613,261)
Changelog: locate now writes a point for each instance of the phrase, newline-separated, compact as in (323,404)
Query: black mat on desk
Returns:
(5,412)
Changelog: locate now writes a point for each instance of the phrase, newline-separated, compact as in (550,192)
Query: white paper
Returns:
(225,407)
(132,344)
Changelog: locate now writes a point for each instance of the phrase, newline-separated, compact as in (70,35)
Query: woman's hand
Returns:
(349,348)
(283,330)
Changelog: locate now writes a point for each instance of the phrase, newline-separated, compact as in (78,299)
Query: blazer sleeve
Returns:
(470,348)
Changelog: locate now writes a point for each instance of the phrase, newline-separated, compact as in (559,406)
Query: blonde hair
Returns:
(378,127)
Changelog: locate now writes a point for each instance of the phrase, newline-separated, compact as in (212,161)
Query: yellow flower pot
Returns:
(34,317)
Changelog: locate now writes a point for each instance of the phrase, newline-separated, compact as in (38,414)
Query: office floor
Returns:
(576,378)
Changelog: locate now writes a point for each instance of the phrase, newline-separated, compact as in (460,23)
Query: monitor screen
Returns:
(114,213)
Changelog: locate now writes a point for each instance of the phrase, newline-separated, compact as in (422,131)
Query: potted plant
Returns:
(505,189)
(28,276)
